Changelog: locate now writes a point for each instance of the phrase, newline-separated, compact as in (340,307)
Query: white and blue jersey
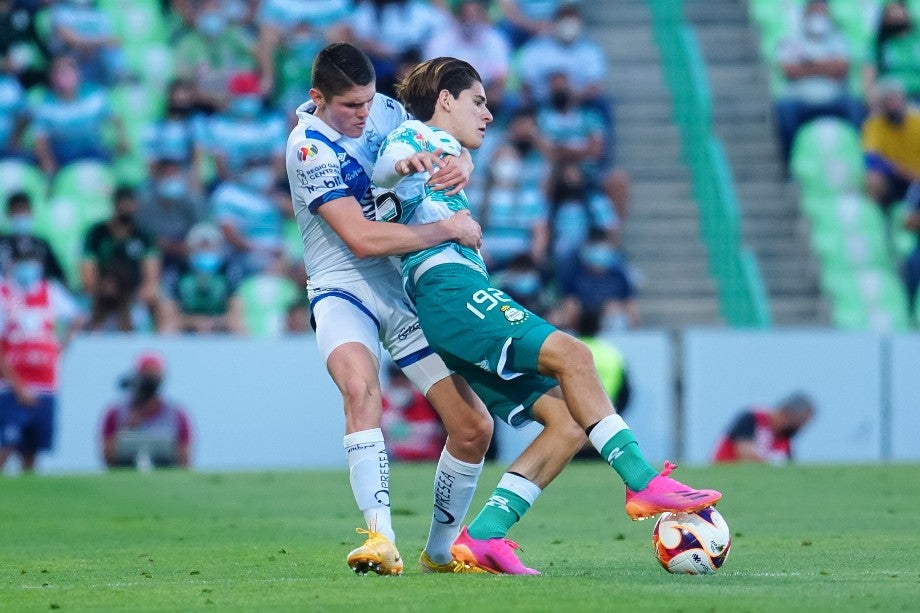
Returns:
(324,165)
(242,141)
(416,202)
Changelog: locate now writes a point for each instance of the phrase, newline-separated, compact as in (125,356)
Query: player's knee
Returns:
(568,355)
(475,436)
(361,397)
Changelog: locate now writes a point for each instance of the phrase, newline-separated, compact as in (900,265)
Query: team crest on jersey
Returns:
(513,314)
(307,153)
(342,157)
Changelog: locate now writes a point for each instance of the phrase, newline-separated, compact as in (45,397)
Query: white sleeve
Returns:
(385,174)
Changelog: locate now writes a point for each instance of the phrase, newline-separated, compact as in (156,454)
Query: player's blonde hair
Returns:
(419,90)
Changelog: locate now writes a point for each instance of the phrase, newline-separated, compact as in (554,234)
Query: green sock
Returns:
(502,511)
(623,455)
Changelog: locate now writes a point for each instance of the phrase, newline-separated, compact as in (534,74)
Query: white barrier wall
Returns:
(904,358)
(269,404)
(726,370)
(254,404)
(651,409)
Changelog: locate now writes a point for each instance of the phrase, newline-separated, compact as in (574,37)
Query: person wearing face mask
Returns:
(764,434)
(248,210)
(144,429)
(815,65)
(512,212)
(601,282)
(120,269)
(173,136)
(246,131)
(523,281)
(168,206)
(472,38)
(210,53)
(896,54)
(21,237)
(202,300)
(32,311)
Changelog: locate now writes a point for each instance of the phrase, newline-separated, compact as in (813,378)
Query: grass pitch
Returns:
(804,539)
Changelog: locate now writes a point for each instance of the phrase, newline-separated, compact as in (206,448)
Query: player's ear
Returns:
(317,96)
(445,100)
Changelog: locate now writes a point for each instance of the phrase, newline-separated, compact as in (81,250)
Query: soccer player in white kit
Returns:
(357,301)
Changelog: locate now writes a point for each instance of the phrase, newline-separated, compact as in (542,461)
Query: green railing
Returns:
(742,297)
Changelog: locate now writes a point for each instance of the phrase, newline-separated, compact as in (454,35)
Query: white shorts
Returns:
(376,313)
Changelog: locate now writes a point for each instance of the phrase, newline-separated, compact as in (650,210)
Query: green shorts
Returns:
(486,337)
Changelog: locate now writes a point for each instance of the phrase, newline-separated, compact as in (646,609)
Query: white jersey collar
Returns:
(305,114)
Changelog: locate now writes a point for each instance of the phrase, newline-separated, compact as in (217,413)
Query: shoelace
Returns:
(668,467)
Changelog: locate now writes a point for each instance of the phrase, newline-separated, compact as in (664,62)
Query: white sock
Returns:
(369,471)
(605,430)
(454,485)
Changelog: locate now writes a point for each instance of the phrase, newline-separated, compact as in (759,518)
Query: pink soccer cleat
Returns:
(665,494)
(495,555)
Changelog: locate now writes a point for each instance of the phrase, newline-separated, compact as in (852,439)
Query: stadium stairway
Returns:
(742,117)
(662,235)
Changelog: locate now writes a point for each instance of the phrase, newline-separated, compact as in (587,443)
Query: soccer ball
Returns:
(691,543)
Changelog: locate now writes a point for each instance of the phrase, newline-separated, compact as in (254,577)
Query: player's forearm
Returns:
(380,239)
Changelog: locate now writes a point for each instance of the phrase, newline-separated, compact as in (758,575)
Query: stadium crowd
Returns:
(141,147)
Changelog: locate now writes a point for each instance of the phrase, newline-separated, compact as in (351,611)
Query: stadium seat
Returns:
(265,299)
(61,222)
(150,63)
(136,20)
(20,176)
(90,185)
(827,156)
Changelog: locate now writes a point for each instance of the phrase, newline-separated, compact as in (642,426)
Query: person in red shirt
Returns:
(762,434)
(31,308)
(144,429)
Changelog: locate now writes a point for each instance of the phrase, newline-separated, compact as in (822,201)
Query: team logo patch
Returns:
(514,315)
(307,153)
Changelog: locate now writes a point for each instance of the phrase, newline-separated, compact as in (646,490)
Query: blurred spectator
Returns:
(565,49)
(601,281)
(575,210)
(410,424)
(22,52)
(173,137)
(897,54)
(891,143)
(69,121)
(523,281)
(291,33)
(168,206)
(764,434)
(250,219)
(298,318)
(22,239)
(385,29)
(120,270)
(32,312)
(86,33)
(13,117)
(912,261)
(210,54)
(512,213)
(245,132)
(144,429)
(524,19)
(472,38)
(201,300)
(816,65)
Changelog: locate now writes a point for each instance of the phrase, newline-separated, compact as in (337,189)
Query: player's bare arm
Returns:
(368,239)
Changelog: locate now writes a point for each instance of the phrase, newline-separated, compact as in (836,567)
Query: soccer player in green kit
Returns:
(522,367)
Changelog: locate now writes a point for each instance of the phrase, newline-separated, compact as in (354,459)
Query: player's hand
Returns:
(467,231)
(26,397)
(422,161)
(454,173)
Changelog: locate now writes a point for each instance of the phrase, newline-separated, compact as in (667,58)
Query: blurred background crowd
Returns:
(142,144)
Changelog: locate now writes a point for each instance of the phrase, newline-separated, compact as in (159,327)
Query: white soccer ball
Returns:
(691,543)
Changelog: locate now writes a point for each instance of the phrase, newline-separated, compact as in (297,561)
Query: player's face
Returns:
(470,116)
(346,113)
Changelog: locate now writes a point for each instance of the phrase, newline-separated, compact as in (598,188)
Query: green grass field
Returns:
(804,539)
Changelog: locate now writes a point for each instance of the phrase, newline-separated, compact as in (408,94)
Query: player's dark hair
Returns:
(420,89)
(339,67)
